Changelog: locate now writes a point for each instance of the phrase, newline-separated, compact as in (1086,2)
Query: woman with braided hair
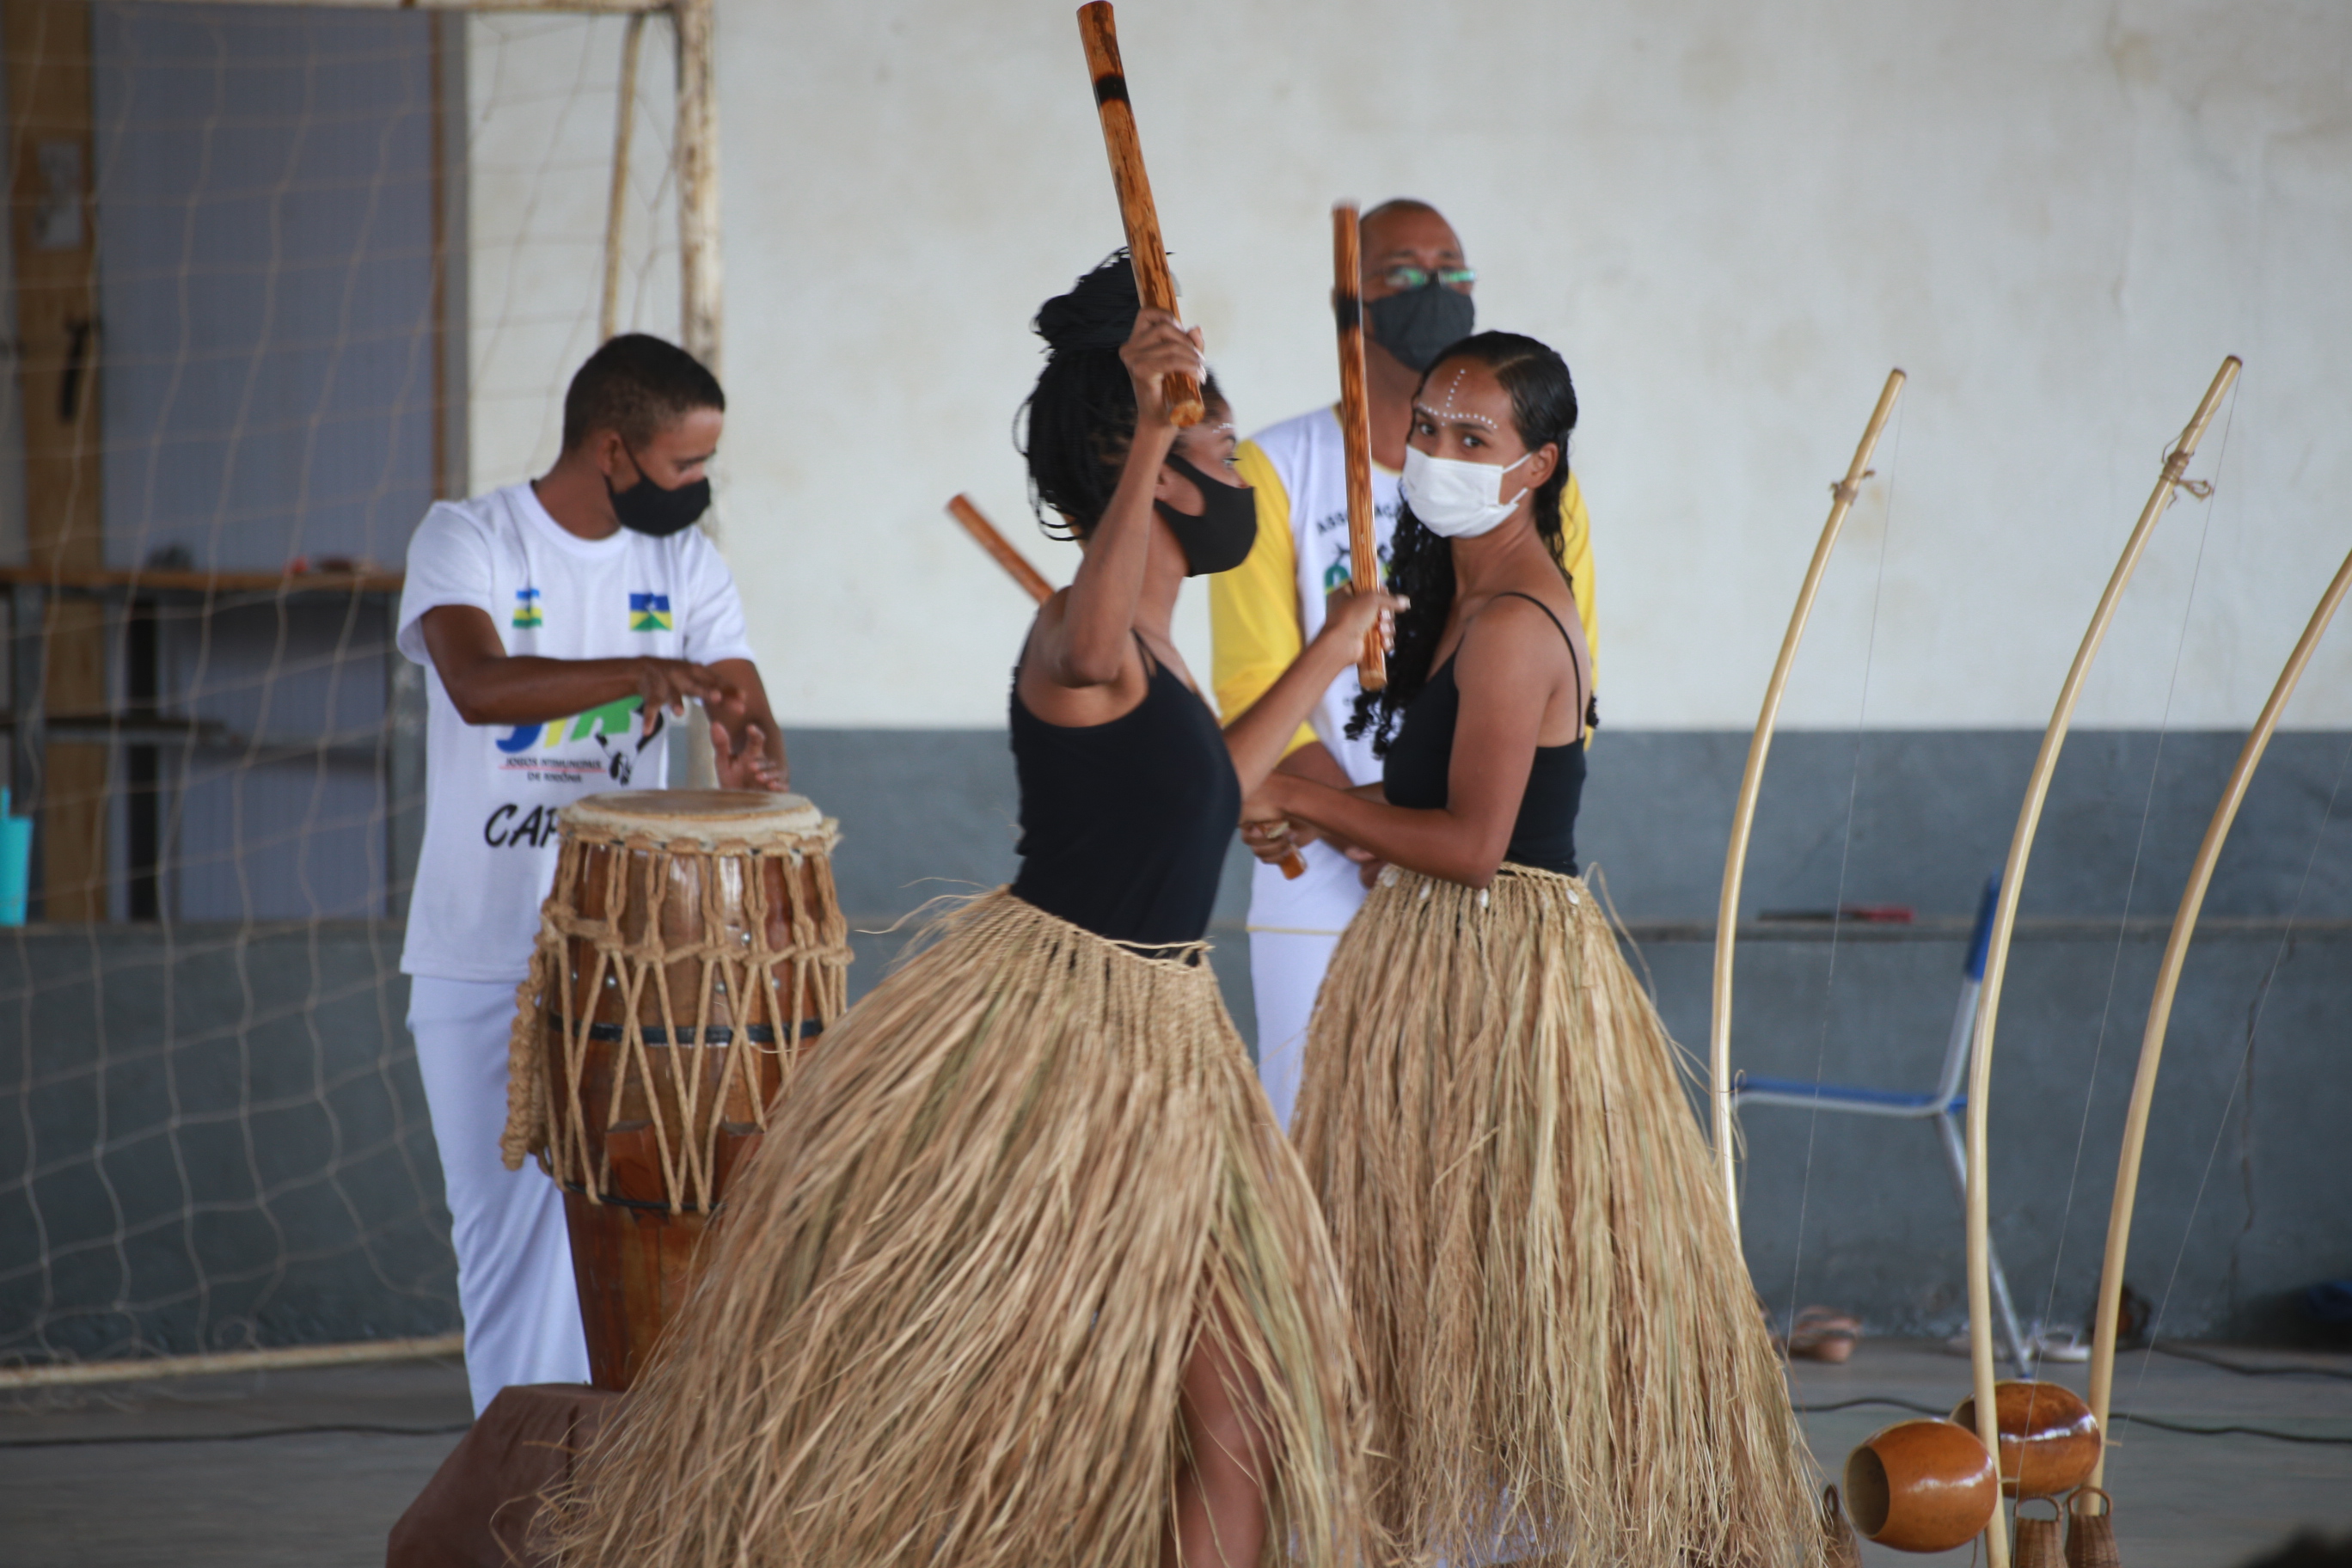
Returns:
(1024,1271)
(1564,1354)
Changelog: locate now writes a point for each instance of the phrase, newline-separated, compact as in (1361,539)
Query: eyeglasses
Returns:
(1403,278)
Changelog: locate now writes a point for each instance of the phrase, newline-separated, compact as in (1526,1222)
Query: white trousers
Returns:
(1285,971)
(514,1256)
(1294,928)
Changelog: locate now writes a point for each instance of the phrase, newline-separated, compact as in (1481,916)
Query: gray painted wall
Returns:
(2238,1208)
(217,1132)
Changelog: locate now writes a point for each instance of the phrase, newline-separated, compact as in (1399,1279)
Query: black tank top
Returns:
(1414,773)
(1124,825)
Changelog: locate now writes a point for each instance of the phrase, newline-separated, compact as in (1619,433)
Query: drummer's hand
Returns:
(669,682)
(1158,347)
(745,764)
(1269,835)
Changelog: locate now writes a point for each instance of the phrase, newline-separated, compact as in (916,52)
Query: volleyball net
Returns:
(291,272)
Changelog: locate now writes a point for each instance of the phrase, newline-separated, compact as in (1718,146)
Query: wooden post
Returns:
(52,231)
(625,121)
(403,683)
(696,151)
(452,478)
(698,183)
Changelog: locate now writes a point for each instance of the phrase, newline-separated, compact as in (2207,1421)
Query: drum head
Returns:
(705,816)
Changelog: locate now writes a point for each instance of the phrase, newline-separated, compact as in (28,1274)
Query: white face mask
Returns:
(1455,499)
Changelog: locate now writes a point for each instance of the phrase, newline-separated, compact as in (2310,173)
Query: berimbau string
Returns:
(1845,856)
(2140,847)
(2245,1058)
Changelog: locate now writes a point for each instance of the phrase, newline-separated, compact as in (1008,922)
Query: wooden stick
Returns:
(1751,784)
(2004,925)
(1356,430)
(1000,548)
(1153,283)
(2159,1010)
(283,1359)
(1016,565)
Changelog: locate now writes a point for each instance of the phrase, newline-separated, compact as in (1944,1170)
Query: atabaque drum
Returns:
(691,946)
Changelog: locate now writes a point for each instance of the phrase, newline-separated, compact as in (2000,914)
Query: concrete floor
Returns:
(2180,1502)
(90,1478)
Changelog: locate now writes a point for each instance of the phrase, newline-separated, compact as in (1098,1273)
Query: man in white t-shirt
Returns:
(564,625)
(1416,294)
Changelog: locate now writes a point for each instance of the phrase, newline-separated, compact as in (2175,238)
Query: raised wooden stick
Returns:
(1017,565)
(1154,284)
(1000,548)
(1356,430)
(2159,1009)
(2004,924)
(1751,784)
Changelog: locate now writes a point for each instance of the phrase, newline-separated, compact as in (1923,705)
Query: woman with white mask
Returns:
(1564,1352)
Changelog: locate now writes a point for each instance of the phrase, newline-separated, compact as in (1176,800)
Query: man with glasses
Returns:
(1417,293)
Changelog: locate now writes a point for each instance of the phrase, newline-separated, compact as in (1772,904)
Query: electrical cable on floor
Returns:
(2184,1352)
(361,1429)
(2159,1421)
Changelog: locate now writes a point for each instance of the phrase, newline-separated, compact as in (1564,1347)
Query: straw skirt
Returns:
(1564,1356)
(952,1297)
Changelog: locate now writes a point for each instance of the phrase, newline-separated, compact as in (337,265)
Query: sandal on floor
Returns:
(1824,1333)
(2059,1344)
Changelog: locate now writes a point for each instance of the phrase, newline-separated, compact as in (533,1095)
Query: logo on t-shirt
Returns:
(598,744)
(526,610)
(1339,567)
(649,611)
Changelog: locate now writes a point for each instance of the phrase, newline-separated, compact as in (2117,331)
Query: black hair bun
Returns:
(1099,312)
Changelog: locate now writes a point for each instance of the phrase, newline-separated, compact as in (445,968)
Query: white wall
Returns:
(1732,219)
(541,99)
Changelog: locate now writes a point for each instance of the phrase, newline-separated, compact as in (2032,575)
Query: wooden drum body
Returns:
(691,942)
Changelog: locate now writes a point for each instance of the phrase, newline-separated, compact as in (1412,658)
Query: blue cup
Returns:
(16,863)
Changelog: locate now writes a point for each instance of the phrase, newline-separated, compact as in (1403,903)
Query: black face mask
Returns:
(1218,539)
(647,507)
(1420,324)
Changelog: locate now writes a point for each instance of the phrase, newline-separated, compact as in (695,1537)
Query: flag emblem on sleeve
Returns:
(526,610)
(649,611)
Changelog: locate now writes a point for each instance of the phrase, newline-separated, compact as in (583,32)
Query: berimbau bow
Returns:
(2167,980)
(2004,924)
(1751,782)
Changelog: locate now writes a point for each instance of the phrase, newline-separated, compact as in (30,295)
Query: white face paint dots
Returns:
(1450,413)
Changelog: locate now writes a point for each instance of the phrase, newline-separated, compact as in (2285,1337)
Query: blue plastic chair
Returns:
(1942,1105)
